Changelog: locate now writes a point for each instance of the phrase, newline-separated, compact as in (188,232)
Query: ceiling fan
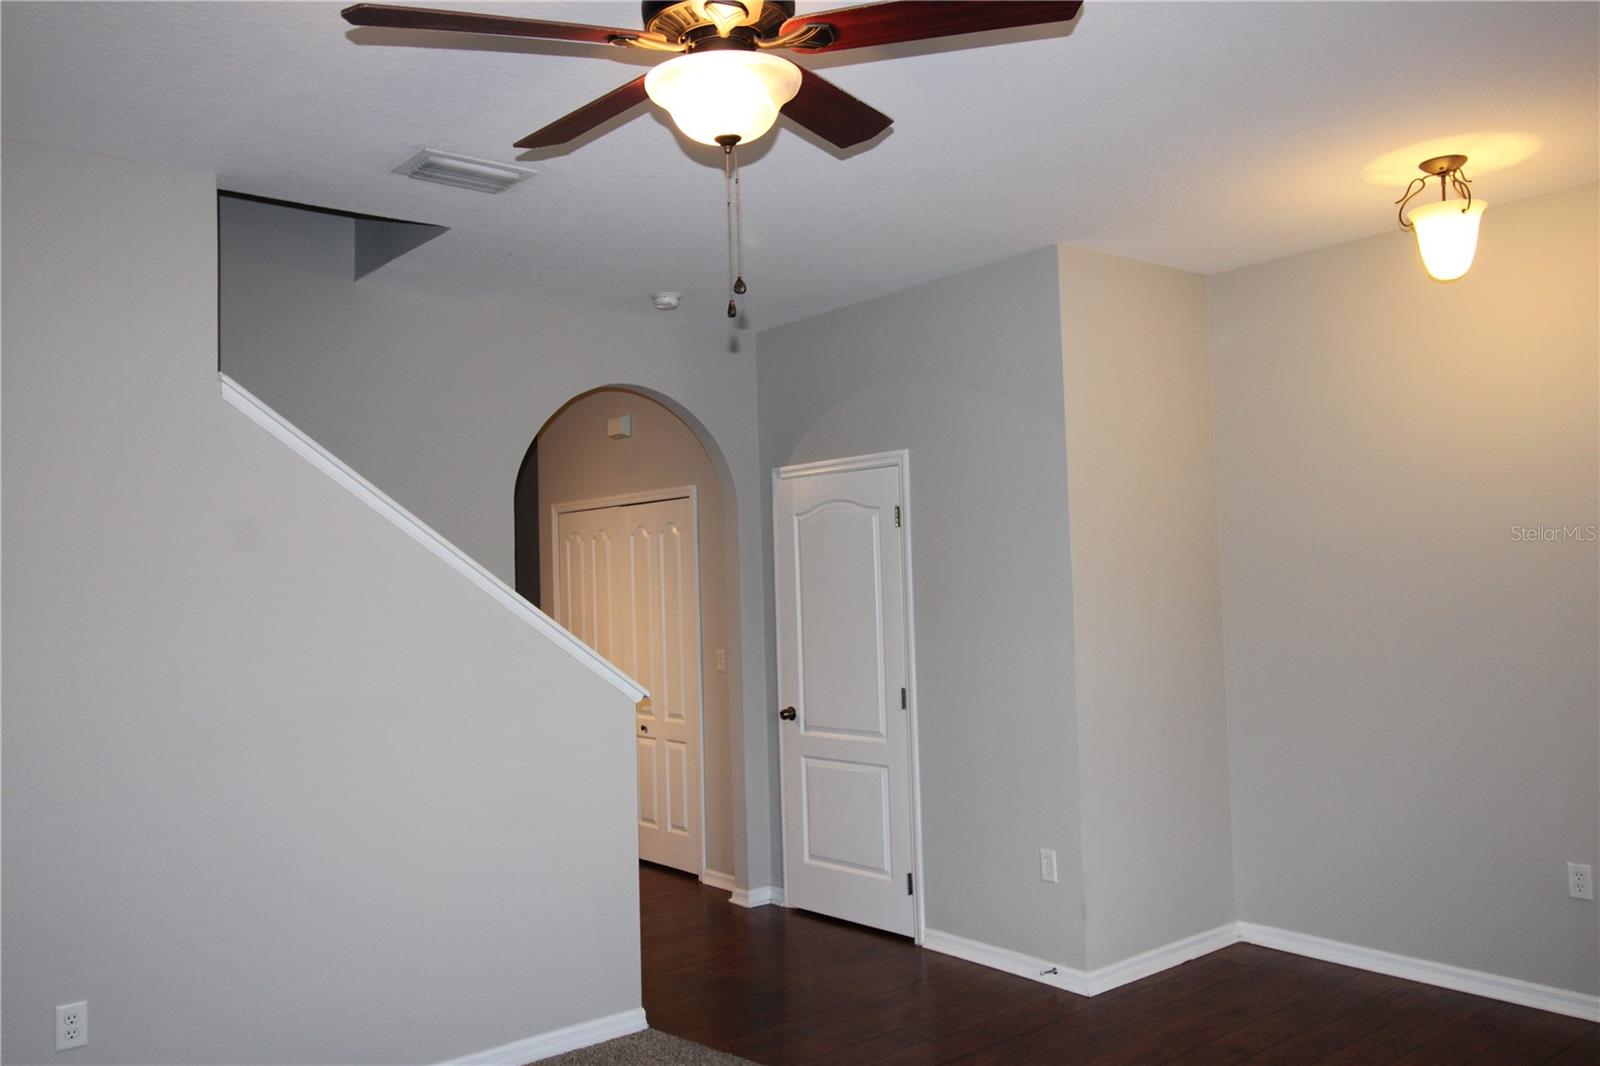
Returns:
(726,86)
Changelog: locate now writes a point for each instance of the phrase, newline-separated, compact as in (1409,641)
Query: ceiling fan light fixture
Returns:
(726,93)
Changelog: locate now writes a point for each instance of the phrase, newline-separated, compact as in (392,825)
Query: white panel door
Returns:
(842,671)
(627,583)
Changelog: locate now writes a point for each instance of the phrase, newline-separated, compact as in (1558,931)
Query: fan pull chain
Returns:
(727,211)
(734,212)
(739,287)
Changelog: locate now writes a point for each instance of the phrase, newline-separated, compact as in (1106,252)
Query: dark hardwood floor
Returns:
(781,986)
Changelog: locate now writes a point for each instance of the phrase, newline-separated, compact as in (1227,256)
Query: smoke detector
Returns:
(462,172)
(666,301)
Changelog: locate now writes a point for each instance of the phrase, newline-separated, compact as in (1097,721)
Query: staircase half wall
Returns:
(283,782)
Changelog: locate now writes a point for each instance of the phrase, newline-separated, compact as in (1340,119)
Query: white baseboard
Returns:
(757,897)
(741,897)
(1084,983)
(1093,982)
(557,1041)
(1165,957)
(1007,961)
(1458,978)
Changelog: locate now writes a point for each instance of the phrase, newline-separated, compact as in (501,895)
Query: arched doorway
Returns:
(618,468)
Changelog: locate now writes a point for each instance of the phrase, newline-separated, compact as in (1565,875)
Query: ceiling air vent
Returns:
(461,172)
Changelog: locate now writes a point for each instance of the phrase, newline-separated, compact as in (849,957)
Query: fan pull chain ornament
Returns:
(734,212)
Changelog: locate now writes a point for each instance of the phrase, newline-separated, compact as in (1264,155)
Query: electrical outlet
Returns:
(1047,865)
(1580,880)
(72,1025)
(722,660)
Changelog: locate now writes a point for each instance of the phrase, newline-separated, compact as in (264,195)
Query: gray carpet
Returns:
(648,1047)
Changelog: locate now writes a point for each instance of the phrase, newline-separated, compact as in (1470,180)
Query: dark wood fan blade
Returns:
(428,18)
(833,114)
(588,116)
(919,20)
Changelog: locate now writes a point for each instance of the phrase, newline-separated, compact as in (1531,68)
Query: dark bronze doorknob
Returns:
(787,714)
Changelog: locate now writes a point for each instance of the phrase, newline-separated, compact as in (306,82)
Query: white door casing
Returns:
(847,757)
(627,583)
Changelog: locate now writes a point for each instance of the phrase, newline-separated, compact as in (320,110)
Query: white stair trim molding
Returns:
(1165,957)
(756,897)
(1007,961)
(716,879)
(423,534)
(557,1041)
(1457,978)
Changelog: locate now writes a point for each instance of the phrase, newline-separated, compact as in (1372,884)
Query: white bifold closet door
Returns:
(627,583)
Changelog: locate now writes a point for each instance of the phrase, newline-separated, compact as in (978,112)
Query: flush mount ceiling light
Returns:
(1447,230)
(726,87)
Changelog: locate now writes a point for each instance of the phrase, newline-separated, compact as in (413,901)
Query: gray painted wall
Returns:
(1147,613)
(1412,692)
(435,398)
(577,461)
(279,785)
(966,373)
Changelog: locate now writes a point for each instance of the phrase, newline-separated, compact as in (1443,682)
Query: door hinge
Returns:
(908,885)
(897,516)
(902,699)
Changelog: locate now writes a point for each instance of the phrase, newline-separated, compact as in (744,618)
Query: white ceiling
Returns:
(1203,136)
